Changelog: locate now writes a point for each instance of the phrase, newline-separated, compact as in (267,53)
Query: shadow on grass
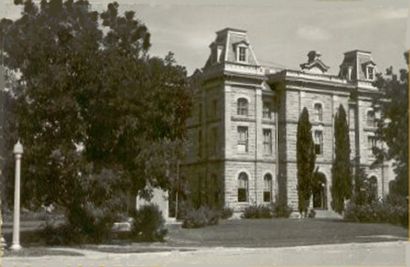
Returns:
(39,252)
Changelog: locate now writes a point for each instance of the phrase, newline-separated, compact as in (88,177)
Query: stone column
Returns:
(258,144)
(18,152)
(227,135)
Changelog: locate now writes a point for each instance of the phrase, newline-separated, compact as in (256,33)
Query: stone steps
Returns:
(328,214)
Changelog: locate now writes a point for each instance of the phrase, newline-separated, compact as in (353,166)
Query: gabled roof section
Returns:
(314,64)
(369,63)
(244,42)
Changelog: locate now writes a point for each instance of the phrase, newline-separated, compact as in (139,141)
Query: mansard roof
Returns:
(228,61)
(357,60)
(227,40)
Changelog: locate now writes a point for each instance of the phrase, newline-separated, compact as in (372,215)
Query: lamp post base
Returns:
(15,247)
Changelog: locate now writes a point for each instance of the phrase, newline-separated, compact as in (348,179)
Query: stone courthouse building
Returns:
(242,132)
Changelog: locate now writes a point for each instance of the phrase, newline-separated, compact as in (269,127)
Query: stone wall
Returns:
(289,92)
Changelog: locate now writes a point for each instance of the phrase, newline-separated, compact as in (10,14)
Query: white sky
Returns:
(280,32)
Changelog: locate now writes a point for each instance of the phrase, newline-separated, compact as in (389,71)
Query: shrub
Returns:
(183,208)
(148,224)
(312,213)
(281,210)
(226,213)
(201,217)
(388,211)
(85,224)
(257,212)
(56,235)
(91,213)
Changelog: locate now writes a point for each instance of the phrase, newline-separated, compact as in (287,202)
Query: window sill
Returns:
(268,121)
(242,118)
(318,123)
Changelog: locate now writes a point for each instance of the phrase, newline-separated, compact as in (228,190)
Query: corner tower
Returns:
(232,128)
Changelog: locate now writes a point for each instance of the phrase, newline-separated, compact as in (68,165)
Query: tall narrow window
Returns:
(213,141)
(200,113)
(371,120)
(371,143)
(242,139)
(267,188)
(214,110)
(215,190)
(242,54)
(242,107)
(344,72)
(243,187)
(266,110)
(318,112)
(199,143)
(318,142)
(351,116)
(219,53)
(267,141)
(370,73)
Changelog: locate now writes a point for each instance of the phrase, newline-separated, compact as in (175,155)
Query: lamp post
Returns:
(18,152)
(2,241)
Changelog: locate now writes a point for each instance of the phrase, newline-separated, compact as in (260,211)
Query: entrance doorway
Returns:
(319,191)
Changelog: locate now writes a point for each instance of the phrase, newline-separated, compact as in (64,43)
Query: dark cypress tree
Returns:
(306,158)
(341,169)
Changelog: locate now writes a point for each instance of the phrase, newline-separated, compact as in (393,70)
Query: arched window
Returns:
(371,120)
(267,188)
(243,187)
(318,112)
(373,188)
(242,106)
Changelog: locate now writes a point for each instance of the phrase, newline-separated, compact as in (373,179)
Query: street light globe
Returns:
(18,148)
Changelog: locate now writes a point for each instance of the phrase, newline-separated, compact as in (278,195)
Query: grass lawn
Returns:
(283,232)
(228,233)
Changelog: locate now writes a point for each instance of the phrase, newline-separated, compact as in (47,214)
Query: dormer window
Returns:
(370,73)
(242,53)
(369,70)
(219,53)
(345,73)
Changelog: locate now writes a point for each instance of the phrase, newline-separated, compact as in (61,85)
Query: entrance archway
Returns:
(319,190)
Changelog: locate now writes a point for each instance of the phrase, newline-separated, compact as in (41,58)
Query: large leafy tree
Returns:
(341,168)
(97,115)
(393,124)
(306,158)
